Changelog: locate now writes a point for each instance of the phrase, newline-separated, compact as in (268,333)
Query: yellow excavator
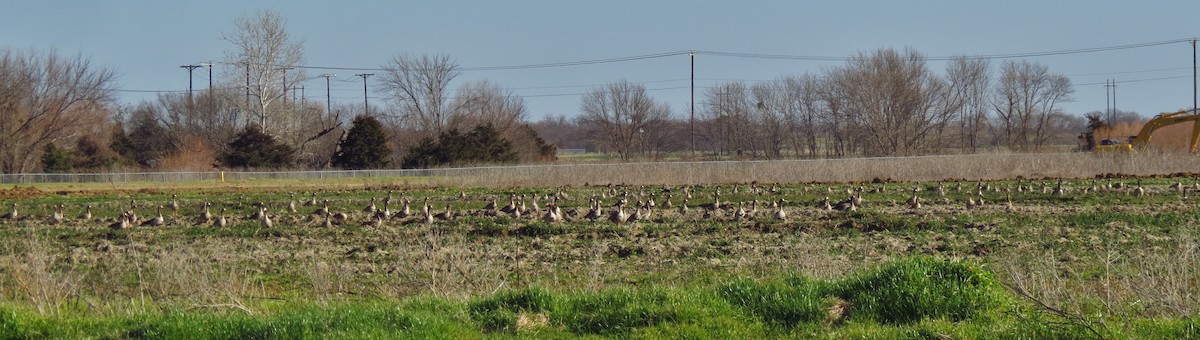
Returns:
(1159,121)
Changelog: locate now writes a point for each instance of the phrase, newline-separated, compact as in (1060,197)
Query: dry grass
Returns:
(926,169)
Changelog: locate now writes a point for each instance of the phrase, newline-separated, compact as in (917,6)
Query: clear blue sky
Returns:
(147,41)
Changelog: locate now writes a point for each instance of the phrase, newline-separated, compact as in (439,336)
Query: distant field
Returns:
(1038,258)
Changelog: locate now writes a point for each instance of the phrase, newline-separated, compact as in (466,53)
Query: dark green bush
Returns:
(365,146)
(254,149)
(482,145)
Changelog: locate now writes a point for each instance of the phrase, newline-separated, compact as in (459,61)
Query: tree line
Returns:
(59,114)
(884,103)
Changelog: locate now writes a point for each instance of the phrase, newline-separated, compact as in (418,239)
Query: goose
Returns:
(1008,207)
(374,221)
(87,213)
(824,205)
(205,216)
(340,217)
(551,216)
(312,201)
(121,223)
(635,216)
(1138,191)
(444,215)
(266,219)
(258,213)
(779,213)
(328,222)
(512,205)
(370,209)
(491,206)
(667,203)
(156,221)
(57,216)
(594,212)
(617,216)
(13,214)
(291,207)
(716,204)
(221,220)
(740,213)
(428,217)
(846,205)
(324,209)
(174,204)
(914,203)
(386,212)
(405,211)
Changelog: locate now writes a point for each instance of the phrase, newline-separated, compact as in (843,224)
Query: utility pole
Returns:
(327,101)
(247,92)
(692,54)
(285,85)
(1194,76)
(366,107)
(1108,107)
(210,93)
(189,69)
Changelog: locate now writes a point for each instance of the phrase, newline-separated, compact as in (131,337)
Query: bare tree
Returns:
(775,116)
(484,102)
(969,79)
(895,101)
(1026,103)
(418,85)
(728,108)
(45,98)
(267,56)
(623,117)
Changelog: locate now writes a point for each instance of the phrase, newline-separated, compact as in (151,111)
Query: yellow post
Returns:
(222,177)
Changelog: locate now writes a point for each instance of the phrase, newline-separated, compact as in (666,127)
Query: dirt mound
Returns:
(21,192)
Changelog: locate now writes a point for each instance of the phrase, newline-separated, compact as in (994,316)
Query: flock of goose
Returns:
(615,204)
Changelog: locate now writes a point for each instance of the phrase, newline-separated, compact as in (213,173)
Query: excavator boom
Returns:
(1147,133)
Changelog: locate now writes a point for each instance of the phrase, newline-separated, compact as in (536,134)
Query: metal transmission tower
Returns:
(328,105)
(366,107)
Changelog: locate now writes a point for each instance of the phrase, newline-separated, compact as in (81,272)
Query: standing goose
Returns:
(292,204)
(779,213)
(174,204)
(221,220)
(266,219)
(205,216)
